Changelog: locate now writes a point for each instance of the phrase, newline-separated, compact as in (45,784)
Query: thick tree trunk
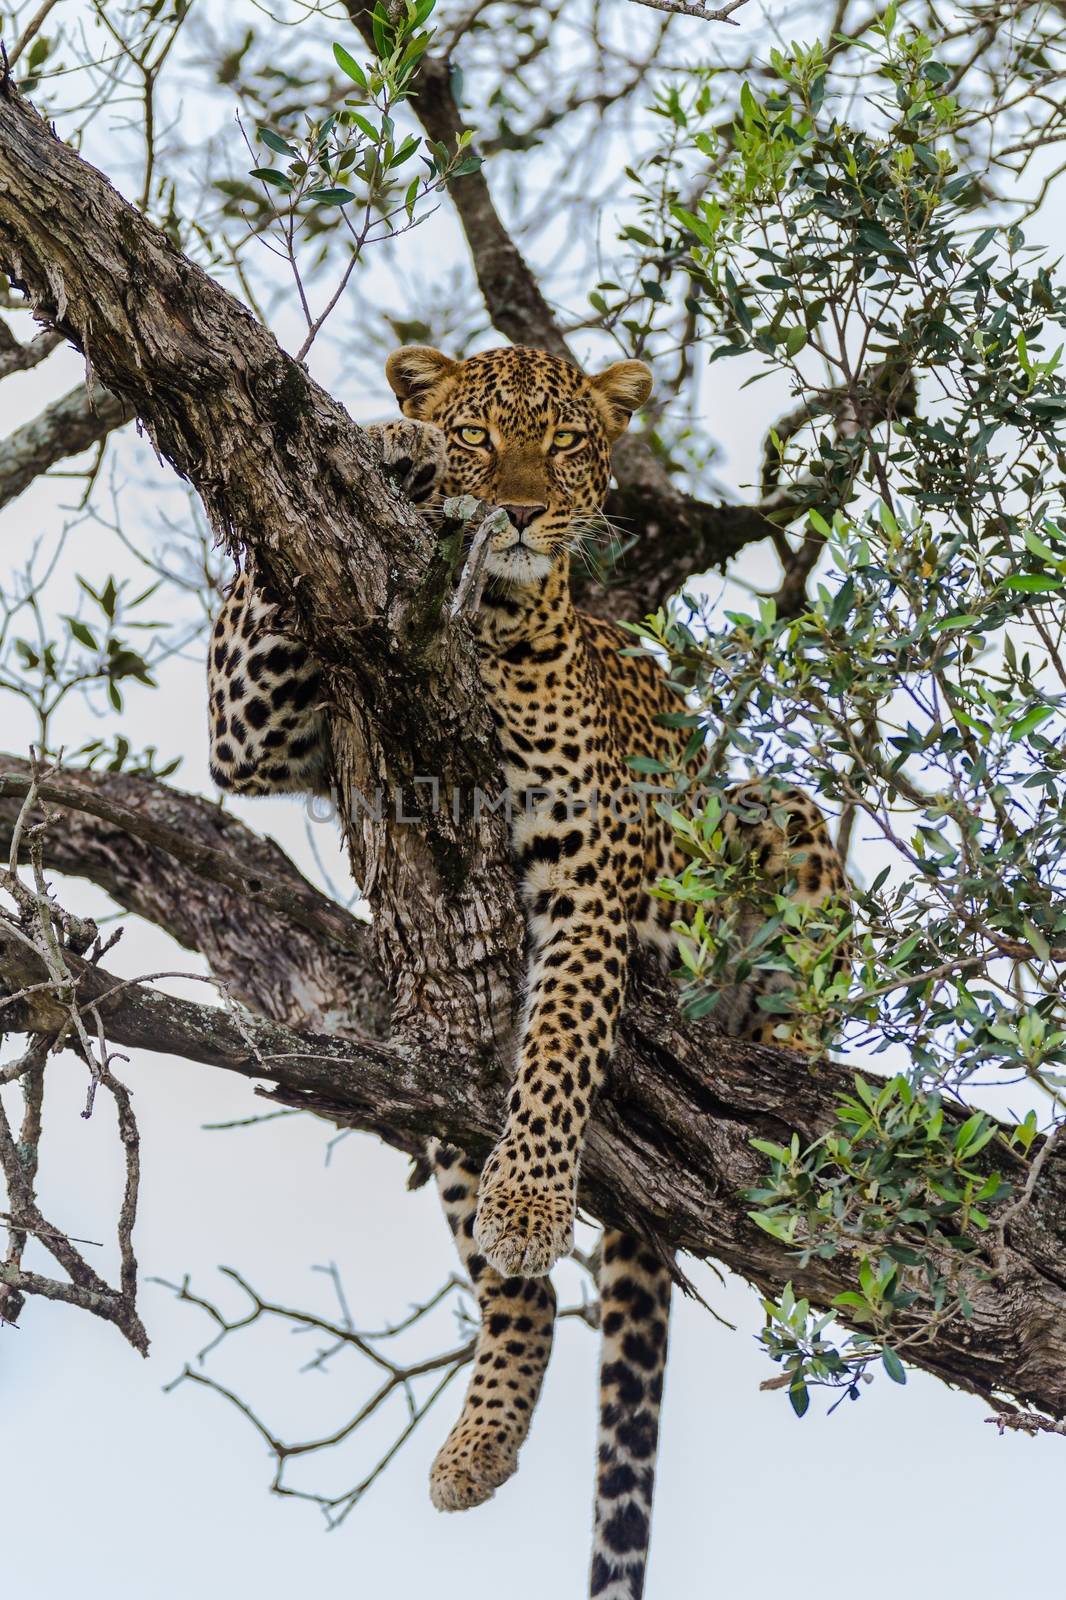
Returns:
(284,473)
(283,470)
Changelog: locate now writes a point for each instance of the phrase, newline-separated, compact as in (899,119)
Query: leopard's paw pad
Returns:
(468,1471)
(520,1229)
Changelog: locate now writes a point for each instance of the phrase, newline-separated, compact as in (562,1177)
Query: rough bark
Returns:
(279,464)
(216,887)
(284,472)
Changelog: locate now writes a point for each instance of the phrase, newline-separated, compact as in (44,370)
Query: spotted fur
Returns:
(526,431)
(513,1346)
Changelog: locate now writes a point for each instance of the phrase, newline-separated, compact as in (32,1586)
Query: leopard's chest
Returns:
(552,721)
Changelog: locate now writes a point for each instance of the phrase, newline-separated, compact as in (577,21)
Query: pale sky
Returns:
(113,1490)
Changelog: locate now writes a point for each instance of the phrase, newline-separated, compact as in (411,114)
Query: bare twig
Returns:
(402,1378)
(694,8)
(467,596)
(1029,1422)
(1024,1200)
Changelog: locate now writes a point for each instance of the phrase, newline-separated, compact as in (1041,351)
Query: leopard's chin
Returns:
(518,565)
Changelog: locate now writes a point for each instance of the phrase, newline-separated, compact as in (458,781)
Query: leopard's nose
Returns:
(522,516)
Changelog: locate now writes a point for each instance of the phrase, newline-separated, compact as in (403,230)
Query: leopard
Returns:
(572,699)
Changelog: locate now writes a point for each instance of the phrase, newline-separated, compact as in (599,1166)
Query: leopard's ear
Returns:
(624,389)
(412,372)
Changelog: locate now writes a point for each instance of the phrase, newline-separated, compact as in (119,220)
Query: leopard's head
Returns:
(525,431)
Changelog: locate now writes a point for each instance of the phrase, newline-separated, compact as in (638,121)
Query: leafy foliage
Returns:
(96,653)
(900,1187)
(353,156)
(920,689)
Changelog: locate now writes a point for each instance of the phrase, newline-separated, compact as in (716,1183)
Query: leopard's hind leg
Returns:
(514,1342)
(267,726)
(267,719)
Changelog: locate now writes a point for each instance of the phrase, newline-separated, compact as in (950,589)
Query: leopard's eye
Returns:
(566,437)
(474,435)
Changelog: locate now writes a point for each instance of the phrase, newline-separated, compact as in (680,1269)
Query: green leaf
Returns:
(384,37)
(406,150)
(1031,720)
(695,225)
(842,604)
(268,175)
(799,1397)
(365,125)
(83,634)
(893,1365)
(275,142)
(1038,547)
(969,1131)
(749,106)
(766,1147)
(349,65)
(330,197)
(849,1300)
(1031,583)
(779,1228)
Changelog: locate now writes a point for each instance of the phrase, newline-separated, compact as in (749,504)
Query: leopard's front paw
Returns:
(470,1467)
(522,1226)
(415,455)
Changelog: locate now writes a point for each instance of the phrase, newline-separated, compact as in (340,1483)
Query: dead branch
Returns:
(695,8)
(51,938)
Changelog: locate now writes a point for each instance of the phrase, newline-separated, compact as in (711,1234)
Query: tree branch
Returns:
(695,8)
(65,428)
(270,938)
(16,357)
(670,1152)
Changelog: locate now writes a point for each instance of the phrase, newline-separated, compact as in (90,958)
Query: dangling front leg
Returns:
(528,1195)
(513,1345)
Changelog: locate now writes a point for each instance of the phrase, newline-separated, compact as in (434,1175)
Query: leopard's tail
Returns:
(635,1317)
